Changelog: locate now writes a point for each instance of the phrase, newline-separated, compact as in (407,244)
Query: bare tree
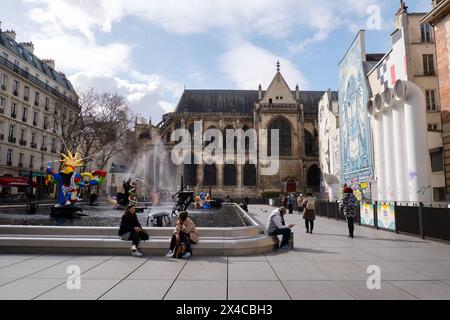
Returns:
(99,131)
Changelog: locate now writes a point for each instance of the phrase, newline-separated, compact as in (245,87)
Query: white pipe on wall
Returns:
(417,152)
(400,152)
(378,148)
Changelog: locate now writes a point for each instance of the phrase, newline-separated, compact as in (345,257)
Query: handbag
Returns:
(180,250)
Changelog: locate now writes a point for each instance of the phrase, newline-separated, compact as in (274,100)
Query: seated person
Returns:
(276,226)
(185,231)
(130,229)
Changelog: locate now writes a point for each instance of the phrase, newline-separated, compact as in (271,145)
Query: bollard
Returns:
(291,241)
(421,220)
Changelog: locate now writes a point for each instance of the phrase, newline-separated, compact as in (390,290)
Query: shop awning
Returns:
(17,182)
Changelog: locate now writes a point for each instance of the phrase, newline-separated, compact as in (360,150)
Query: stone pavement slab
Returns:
(297,270)
(91,289)
(114,269)
(250,271)
(256,290)
(316,290)
(359,291)
(197,290)
(62,271)
(435,270)
(394,270)
(27,289)
(340,270)
(28,267)
(138,290)
(204,270)
(425,290)
(158,269)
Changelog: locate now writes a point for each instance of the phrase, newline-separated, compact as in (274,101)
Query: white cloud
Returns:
(248,65)
(276,19)
(74,54)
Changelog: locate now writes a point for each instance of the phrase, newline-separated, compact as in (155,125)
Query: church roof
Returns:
(236,101)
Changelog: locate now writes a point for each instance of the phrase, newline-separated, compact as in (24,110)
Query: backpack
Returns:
(180,250)
(310,204)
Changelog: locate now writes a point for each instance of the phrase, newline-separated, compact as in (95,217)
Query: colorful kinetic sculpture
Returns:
(69,182)
(132,193)
(203,201)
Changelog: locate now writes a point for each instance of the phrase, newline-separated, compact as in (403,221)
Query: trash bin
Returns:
(271,202)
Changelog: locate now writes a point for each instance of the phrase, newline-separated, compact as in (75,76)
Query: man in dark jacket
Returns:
(130,229)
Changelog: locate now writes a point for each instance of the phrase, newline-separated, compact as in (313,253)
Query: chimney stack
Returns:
(11,34)
(28,45)
(49,62)
(297,92)
(260,92)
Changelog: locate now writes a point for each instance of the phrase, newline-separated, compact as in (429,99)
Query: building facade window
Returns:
(249,175)
(16,86)
(433,127)
(24,114)
(437,161)
(9,157)
(4,82)
(26,93)
(36,99)
(31,161)
(2,105)
(46,105)
(13,110)
(430,96)
(285,137)
(229,175)
(35,118)
(425,30)
(428,65)
(209,175)
(11,134)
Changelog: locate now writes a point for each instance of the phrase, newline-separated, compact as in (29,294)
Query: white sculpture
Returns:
(401,146)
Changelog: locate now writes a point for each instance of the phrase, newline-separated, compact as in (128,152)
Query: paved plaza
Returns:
(324,265)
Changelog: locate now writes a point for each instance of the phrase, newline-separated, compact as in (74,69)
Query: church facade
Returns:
(293,113)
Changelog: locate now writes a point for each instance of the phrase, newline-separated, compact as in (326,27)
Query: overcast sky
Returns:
(149,50)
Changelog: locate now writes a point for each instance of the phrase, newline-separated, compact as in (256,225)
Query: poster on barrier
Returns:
(386,216)
(367,216)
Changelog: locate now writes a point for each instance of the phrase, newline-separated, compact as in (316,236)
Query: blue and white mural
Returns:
(355,137)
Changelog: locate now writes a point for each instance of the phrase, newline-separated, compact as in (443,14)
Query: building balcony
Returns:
(33,145)
(36,103)
(43,148)
(4,88)
(24,119)
(2,111)
(9,163)
(16,93)
(35,123)
(44,86)
(12,140)
(53,150)
(14,115)
(2,136)
(23,143)
(20,165)
(25,98)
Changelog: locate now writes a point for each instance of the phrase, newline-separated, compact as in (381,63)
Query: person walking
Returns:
(130,229)
(300,199)
(348,208)
(309,212)
(185,232)
(290,202)
(277,226)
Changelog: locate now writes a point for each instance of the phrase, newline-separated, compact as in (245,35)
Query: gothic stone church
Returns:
(293,113)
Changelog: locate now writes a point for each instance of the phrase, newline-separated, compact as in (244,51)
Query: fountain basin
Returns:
(249,239)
